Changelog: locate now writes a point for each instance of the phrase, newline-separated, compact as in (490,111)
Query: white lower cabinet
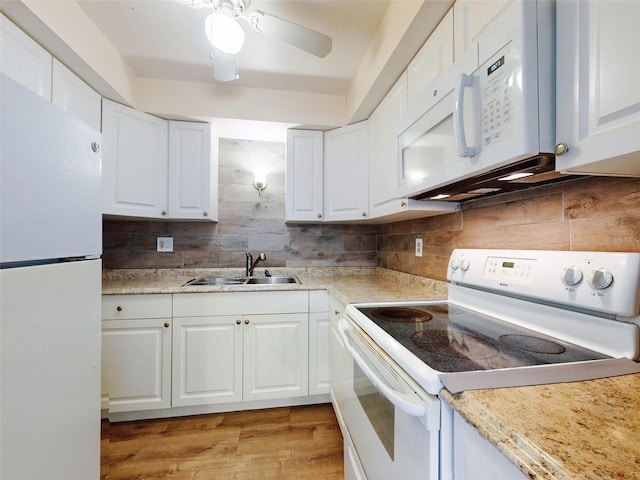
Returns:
(319,342)
(474,457)
(240,346)
(275,353)
(207,360)
(136,352)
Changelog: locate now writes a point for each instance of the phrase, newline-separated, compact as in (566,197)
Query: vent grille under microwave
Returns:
(515,176)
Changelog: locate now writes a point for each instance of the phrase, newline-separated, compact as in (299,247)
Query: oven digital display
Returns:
(495,65)
(508,264)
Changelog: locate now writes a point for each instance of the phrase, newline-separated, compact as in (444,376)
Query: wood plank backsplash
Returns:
(590,213)
(585,213)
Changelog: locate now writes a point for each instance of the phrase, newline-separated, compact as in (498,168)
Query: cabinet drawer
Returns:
(318,301)
(116,307)
(233,303)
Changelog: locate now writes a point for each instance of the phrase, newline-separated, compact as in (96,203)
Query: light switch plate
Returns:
(165,244)
(418,247)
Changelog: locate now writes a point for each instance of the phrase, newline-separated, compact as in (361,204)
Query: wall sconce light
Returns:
(260,180)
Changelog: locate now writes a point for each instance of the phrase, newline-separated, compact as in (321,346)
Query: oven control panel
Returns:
(607,282)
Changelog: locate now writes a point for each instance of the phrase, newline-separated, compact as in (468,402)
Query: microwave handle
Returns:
(458,118)
(398,399)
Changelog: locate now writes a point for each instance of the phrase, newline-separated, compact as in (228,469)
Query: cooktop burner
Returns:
(449,338)
(401,315)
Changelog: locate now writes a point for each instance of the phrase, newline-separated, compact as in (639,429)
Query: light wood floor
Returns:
(289,443)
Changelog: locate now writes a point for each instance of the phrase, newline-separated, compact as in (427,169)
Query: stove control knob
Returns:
(601,279)
(454,264)
(464,264)
(571,276)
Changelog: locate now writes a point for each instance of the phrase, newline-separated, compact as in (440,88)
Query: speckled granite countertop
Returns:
(347,284)
(584,430)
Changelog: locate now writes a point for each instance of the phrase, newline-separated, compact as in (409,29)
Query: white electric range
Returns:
(512,318)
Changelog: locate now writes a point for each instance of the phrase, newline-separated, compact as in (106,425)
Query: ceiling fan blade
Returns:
(225,65)
(296,35)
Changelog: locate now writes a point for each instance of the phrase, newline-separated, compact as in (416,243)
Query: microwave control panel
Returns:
(496,86)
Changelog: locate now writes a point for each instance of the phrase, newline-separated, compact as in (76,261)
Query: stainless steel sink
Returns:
(271,280)
(241,281)
(215,281)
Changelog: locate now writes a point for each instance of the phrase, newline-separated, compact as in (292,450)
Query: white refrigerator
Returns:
(50,288)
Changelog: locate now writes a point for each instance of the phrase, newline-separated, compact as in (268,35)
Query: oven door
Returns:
(392,423)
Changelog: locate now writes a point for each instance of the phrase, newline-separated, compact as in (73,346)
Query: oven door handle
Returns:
(399,399)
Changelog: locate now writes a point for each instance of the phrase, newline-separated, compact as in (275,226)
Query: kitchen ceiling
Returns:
(166,39)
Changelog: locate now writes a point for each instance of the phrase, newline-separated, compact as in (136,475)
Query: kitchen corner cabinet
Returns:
(136,352)
(22,59)
(598,99)
(154,168)
(134,162)
(318,342)
(239,346)
(346,173)
(71,94)
(303,199)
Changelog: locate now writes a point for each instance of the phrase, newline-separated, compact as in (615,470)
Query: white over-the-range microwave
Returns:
(488,124)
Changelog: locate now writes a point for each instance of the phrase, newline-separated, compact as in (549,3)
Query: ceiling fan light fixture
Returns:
(224,32)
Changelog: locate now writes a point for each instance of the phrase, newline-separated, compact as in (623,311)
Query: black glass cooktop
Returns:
(449,338)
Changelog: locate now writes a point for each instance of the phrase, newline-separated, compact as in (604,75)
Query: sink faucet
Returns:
(251,264)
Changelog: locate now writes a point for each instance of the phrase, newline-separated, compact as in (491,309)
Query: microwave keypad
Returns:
(496,111)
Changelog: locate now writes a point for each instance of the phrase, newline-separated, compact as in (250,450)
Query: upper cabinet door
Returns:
(432,60)
(134,162)
(24,60)
(598,99)
(74,96)
(346,173)
(304,176)
(383,153)
(470,18)
(192,171)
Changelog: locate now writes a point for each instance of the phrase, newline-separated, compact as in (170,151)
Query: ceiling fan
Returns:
(227,36)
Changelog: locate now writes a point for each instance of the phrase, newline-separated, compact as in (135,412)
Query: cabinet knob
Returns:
(403,203)
(166,324)
(336,312)
(364,214)
(246,322)
(95,146)
(319,215)
(238,322)
(204,214)
(164,212)
(119,308)
(561,149)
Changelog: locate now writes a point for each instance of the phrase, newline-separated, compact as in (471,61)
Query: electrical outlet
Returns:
(165,244)
(418,247)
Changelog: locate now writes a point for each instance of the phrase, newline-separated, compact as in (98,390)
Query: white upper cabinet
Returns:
(152,168)
(598,99)
(134,162)
(24,60)
(432,60)
(470,17)
(303,200)
(72,95)
(193,186)
(346,177)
